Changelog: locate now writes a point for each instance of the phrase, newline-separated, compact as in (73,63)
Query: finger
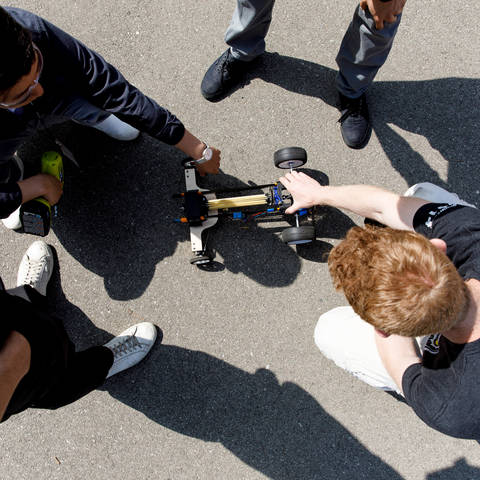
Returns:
(391,18)
(378,23)
(363,5)
(291,209)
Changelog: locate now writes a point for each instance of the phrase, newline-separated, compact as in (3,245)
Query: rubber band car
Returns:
(202,208)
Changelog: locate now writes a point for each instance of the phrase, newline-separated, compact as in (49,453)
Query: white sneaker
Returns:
(434,193)
(116,128)
(36,267)
(131,346)
(13,221)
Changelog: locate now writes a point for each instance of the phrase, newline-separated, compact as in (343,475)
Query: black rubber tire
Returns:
(299,235)
(290,157)
(200,260)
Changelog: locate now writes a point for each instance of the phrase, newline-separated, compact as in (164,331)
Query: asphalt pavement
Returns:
(237,389)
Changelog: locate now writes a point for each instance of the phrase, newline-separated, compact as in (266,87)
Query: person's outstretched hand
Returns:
(306,191)
(383,11)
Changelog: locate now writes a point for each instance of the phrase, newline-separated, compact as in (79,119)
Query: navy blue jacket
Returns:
(73,70)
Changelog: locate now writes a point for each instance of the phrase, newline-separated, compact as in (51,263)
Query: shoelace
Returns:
(34,272)
(353,108)
(223,66)
(126,346)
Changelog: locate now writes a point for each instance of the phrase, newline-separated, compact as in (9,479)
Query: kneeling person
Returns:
(414,289)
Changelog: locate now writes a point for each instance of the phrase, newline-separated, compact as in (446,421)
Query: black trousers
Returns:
(85,372)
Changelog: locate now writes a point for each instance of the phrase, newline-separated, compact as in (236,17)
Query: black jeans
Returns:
(85,372)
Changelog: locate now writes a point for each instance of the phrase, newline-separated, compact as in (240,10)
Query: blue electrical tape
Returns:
(276,197)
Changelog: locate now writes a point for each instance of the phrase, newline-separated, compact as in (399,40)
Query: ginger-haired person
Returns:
(416,283)
(49,77)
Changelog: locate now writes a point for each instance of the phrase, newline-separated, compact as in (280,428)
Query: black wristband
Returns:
(385,1)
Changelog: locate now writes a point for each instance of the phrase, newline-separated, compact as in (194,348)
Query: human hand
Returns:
(212,166)
(383,11)
(41,185)
(306,191)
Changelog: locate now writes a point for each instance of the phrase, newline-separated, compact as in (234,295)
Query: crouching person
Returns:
(413,324)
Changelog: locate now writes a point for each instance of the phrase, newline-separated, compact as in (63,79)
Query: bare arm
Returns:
(193,147)
(397,354)
(41,185)
(365,200)
(14,365)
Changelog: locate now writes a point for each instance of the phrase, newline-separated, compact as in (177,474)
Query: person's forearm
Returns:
(41,185)
(191,145)
(381,205)
(372,202)
(397,354)
(365,200)
(14,365)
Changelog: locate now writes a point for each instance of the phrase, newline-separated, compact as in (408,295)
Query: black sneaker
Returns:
(223,74)
(355,121)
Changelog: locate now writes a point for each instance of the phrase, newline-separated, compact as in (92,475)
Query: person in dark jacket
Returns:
(48,77)
(39,366)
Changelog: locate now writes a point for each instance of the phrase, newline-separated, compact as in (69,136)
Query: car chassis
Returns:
(202,208)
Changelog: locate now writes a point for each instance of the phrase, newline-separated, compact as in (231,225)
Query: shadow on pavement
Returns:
(461,470)
(445,111)
(277,429)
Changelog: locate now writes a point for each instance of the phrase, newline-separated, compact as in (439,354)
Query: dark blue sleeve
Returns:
(100,82)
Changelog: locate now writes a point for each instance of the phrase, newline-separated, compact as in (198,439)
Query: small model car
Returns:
(202,208)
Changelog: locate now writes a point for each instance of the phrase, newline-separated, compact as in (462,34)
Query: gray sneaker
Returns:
(36,267)
(131,346)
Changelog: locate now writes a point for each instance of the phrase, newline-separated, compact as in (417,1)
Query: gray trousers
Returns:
(363,51)
(74,108)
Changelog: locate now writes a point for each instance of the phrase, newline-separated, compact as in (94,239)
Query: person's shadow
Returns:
(277,429)
(445,111)
(117,216)
(461,470)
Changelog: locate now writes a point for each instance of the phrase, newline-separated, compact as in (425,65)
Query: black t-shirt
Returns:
(49,344)
(444,390)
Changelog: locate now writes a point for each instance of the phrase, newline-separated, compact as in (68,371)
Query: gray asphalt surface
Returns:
(238,389)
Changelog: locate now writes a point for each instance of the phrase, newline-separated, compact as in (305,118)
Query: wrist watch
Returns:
(207,155)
